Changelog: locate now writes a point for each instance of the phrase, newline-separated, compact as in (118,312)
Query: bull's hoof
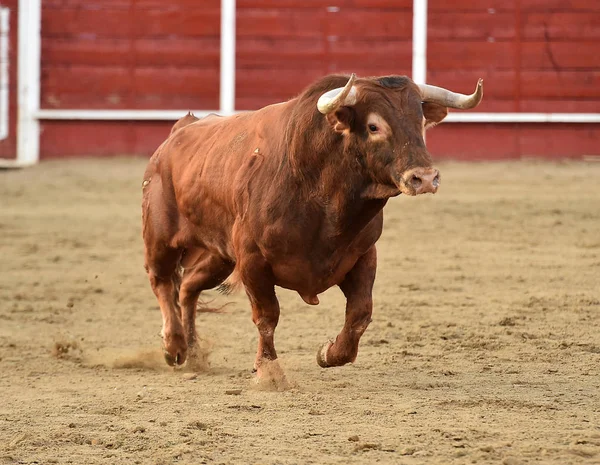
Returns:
(322,354)
(173,360)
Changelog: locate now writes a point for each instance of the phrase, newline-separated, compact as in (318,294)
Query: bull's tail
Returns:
(201,306)
(232,284)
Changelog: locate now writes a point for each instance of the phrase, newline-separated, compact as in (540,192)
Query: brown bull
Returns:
(290,195)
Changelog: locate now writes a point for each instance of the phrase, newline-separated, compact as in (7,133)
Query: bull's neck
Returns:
(326,174)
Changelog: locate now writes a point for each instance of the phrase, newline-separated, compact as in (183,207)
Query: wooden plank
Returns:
(561,26)
(105,80)
(559,140)
(384,54)
(128,4)
(481,141)
(199,52)
(316,4)
(367,24)
(72,22)
(561,84)
(285,4)
(470,5)
(275,83)
(68,139)
(344,53)
(280,23)
(482,25)
(189,22)
(560,5)
(121,24)
(117,87)
(560,106)
(467,55)
(571,55)
(177,81)
(301,23)
(128,101)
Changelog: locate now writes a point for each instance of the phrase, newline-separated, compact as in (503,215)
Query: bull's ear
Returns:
(433,113)
(342,119)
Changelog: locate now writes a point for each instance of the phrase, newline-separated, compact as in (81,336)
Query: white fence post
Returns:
(419,58)
(227,86)
(28,81)
(4,41)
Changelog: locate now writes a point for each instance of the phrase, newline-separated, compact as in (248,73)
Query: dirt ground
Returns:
(484,346)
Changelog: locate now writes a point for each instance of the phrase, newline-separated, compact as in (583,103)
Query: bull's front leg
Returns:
(357,286)
(258,281)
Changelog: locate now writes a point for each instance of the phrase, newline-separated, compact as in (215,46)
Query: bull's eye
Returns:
(373,128)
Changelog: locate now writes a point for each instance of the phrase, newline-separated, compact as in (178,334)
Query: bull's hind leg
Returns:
(202,270)
(161,263)
(357,286)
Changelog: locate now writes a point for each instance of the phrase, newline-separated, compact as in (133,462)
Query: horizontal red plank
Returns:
(511,5)
(560,106)
(342,4)
(447,141)
(564,140)
(198,52)
(466,55)
(202,22)
(128,4)
(366,24)
(560,5)
(484,141)
(481,25)
(65,139)
(204,52)
(196,22)
(150,80)
(344,53)
(299,53)
(561,25)
(126,101)
(560,55)
(300,23)
(470,5)
(561,84)
(473,141)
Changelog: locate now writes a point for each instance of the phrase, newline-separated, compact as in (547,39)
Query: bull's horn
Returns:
(450,99)
(333,99)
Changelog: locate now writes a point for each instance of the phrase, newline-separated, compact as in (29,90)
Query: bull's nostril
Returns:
(415,181)
(436,181)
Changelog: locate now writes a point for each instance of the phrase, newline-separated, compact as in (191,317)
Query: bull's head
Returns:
(384,121)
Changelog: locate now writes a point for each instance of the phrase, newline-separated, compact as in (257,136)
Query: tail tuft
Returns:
(232,284)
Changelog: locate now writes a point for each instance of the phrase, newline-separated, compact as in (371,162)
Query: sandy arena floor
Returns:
(484,348)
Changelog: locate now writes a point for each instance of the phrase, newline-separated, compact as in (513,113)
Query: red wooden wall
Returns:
(8,146)
(535,55)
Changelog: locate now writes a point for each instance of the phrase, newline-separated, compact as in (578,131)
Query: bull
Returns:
(290,195)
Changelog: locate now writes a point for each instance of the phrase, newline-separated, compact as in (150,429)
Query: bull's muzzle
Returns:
(420,181)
